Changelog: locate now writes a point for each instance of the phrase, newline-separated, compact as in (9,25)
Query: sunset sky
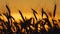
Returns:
(25,7)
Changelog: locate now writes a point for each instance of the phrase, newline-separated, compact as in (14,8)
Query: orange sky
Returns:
(25,7)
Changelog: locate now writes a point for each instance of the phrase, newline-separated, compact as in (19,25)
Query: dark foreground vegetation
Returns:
(26,27)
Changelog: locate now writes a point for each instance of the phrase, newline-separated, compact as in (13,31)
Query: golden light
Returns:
(25,7)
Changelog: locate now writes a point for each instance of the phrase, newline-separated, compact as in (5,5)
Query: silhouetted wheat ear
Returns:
(54,11)
(7,14)
(34,12)
(43,12)
(21,15)
(9,18)
(8,9)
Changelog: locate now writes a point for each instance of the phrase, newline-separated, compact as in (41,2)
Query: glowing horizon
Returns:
(25,6)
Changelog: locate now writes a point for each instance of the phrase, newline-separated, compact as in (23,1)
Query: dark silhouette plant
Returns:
(34,13)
